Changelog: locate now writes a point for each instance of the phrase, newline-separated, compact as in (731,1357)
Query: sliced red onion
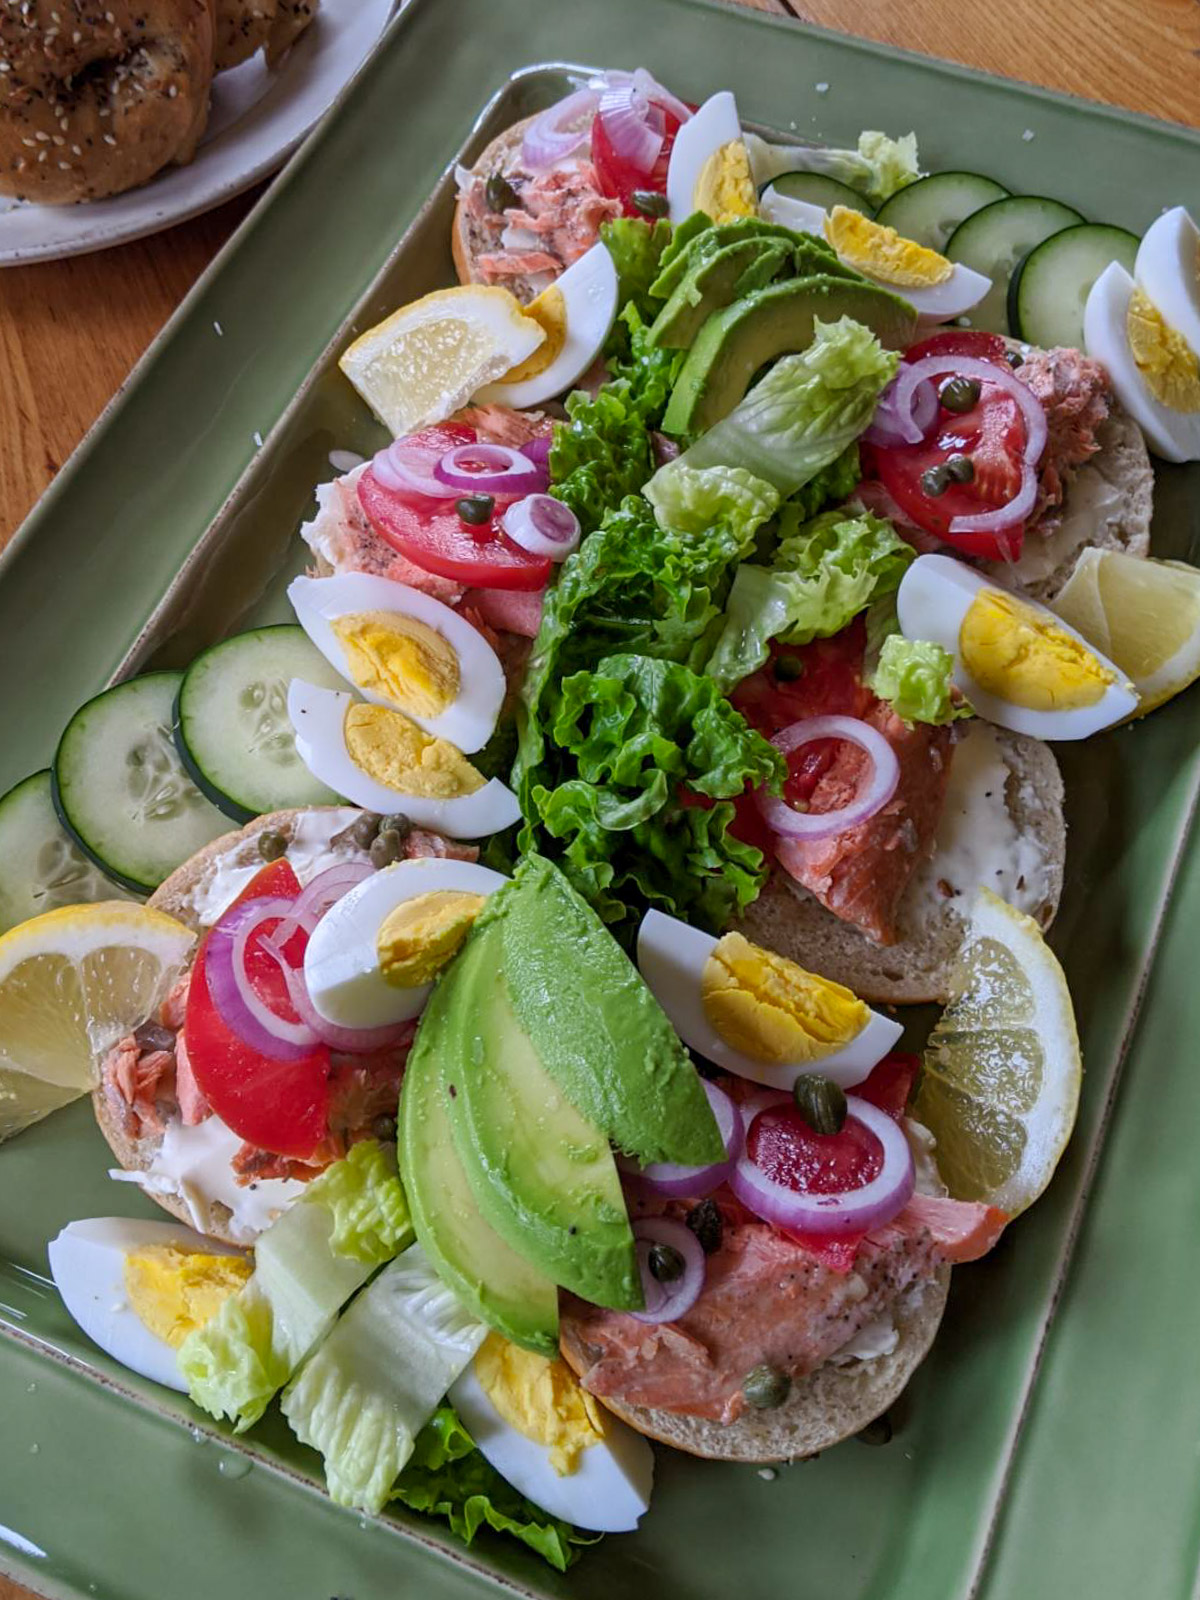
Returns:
(315,899)
(549,138)
(538,450)
(660,95)
(693,1183)
(542,525)
(667,1302)
(352,1041)
(233,995)
(407,468)
(851,1211)
(635,128)
(488,469)
(890,427)
(881,786)
(913,374)
(1006,516)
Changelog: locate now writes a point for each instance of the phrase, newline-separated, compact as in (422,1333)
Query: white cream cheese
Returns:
(309,853)
(977,839)
(1093,506)
(327,533)
(878,1337)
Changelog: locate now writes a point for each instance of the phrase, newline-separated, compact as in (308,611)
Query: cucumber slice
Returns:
(1050,287)
(995,239)
(929,210)
(818,190)
(41,867)
(120,787)
(232,726)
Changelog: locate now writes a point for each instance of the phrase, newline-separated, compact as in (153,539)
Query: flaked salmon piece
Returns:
(516,264)
(509,610)
(134,1081)
(1073,390)
(342,536)
(959,1230)
(500,424)
(174,1007)
(422,842)
(193,1107)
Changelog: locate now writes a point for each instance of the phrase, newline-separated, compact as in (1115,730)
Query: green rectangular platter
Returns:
(1050,1446)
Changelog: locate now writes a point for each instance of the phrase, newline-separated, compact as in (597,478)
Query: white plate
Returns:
(258,117)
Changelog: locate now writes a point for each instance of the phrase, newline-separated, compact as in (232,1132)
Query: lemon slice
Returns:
(1002,1070)
(73,982)
(429,358)
(1143,615)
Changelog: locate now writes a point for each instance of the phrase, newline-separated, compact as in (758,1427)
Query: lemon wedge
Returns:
(428,359)
(73,982)
(1143,615)
(1002,1070)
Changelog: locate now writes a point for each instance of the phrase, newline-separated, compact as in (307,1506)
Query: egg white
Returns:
(671,957)
(471,718)
(608,1491)
(87,1262)
(589,291)
(1174,435)
(341,962)
(318,717)
(1168,270)
(938,302)
(714,126)
(934,597)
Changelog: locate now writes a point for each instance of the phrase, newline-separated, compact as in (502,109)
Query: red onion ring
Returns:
(407,468)
(635,128)
(850,1211)
(315,899)
(542,525)
(890,427)
(667,1302)
(660,95)
(548,139)
(885,775)
(913,374)
(352,1041)
(238,1006)
(538,451)
(488,469)
(1006,516)
(693,1183)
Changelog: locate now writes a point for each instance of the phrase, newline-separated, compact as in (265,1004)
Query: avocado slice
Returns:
(543,1175)
(707,241)
(717,280)
(736,342)
(594,1024)
(500,1286)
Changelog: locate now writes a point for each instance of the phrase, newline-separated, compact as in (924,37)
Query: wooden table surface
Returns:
(71,330)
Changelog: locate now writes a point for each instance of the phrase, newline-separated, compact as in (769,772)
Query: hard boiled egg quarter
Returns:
(404,649)
(1152,366)
(384,762)
(725,996)
(937,289)
(129,1285)
(530,1414)
(360,951)
(576,311)
(709,169)
(1168,270)
(1018,664)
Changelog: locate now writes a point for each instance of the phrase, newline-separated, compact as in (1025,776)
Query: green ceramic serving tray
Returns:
(1049,1446)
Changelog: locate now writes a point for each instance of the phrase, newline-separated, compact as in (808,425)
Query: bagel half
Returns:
(828,1406)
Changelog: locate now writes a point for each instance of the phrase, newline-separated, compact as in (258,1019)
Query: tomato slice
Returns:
(280,1106)
(961,342)
(617,178)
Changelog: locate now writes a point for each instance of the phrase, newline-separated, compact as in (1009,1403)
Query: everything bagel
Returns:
(244,26)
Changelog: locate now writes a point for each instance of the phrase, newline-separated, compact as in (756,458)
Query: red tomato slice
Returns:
(961,342)
(617,178)
(281,1106)
(433,535)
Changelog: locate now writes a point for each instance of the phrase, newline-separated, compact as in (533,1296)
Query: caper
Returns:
(788,669)
(396,822)
(665,1263)
(961,468)
(475,508)
(935,481)
(1014,358)
(959,394)
(388,847)
(500,194)
(650,203)
(821,1102)
(878,1432)
(359,834)
(272,845)
(766,1387)
(704,1220)
(153,1036)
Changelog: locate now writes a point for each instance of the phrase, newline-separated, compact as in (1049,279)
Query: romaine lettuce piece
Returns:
(693,499)
(916,677)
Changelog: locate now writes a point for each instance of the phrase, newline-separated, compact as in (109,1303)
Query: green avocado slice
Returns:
(714,283)
(735,343)
(706,241)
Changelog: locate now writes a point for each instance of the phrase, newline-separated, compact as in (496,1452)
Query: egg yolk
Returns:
(175,1291)
(769,1008)
(1019,655)
(725,189)
(549,311)
(541,1399)
(405,661)
(1170,368)
(396,753)
(421,935)
(882,253)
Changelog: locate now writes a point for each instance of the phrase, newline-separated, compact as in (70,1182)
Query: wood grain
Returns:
(70,331)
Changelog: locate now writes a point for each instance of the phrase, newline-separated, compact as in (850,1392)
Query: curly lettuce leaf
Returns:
(636,247)
(366,1201)
(878,168)
(802,415)
(693,499)
(448,1477)
(916,677)
(823,575)
(601,454)
(647,369)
